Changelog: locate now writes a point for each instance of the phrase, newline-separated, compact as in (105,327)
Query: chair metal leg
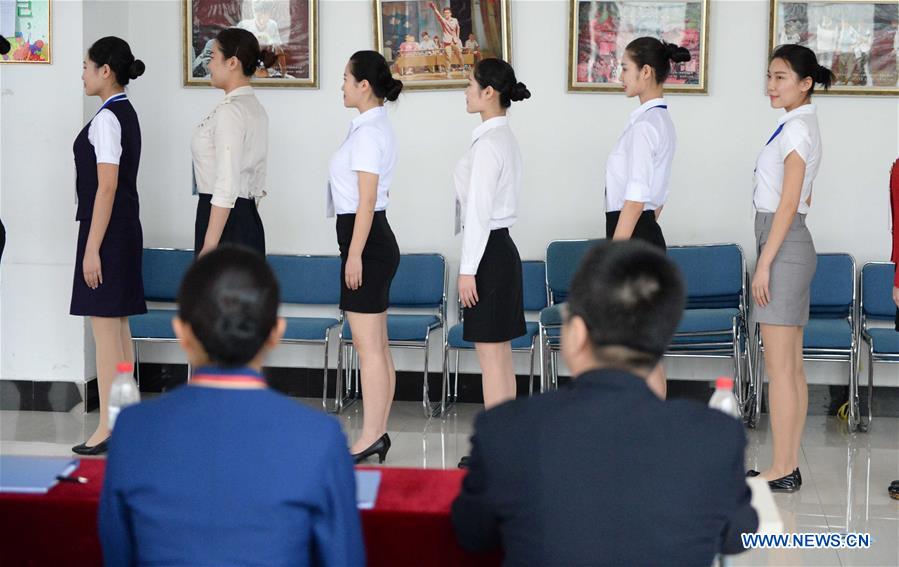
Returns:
(431,410)
(444,377)
(854,419)
(325,378)
(759,379)
(136,347)
(864,426)
(456,380)
(531,374)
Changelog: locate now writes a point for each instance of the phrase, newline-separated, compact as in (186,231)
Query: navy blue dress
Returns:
(214,476)
(122,292)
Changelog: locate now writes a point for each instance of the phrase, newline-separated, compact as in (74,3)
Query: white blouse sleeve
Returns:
(486,166)
(105,134)
(640,149)
(228,139)
(367,151)
(795,137)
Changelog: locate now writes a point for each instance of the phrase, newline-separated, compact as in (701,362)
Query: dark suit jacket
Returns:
(603,472)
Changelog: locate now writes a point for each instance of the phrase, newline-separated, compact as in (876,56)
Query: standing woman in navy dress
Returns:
(639,167)
(359,178)
(488,186)
(108,285)
(230,149)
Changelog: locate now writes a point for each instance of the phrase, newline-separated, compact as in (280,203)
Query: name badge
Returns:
(458,218)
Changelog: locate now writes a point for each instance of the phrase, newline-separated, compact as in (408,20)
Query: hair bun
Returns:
(520,92)
(394,90)
(136,69)
(823,75)
(677,53)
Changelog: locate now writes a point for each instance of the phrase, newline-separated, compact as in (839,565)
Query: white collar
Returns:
(368,116)
(121,95)
(646,106)
(240,91)
(488,125)
(804,109)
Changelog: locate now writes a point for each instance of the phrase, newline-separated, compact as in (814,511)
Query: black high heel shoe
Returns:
(379,448)
(98,449)
(790,483)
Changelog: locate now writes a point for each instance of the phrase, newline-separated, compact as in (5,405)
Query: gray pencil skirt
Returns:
(794,266)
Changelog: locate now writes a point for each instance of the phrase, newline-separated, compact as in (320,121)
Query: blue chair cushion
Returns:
(308,328)
(552,315)
(155,324)
(886,341)
(704,321)
(403,327)
(455,340)
(828,333)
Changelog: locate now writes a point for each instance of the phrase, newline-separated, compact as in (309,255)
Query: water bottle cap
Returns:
(124,367)
(724,383)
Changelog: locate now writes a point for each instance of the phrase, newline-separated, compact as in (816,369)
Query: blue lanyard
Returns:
(775,134)
(112,99)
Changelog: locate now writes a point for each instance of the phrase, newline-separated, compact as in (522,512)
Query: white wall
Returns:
(564,138)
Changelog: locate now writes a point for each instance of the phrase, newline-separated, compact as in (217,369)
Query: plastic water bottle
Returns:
(124,391)
(723,399)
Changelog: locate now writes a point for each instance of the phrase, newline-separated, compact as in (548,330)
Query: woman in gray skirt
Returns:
(785,171)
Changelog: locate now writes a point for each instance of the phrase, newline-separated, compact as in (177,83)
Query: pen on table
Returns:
(75,479)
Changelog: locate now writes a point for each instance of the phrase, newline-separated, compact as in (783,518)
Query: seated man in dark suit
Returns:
(224,471)
(603,472)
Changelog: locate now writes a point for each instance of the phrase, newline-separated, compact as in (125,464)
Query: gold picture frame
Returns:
(487,33)
(850,37)
(33,25)
(599,32)
(296,58)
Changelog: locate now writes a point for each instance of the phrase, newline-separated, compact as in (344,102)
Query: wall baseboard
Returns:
(307,383)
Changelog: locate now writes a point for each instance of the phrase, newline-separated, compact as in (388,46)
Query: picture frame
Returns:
(27,26)
(289,28)
(467,32)
(599,32)
(856,39)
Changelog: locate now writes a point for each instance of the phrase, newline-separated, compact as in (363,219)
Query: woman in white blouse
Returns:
(230,149)
(781,286)
(488,186)
(639,168)
(359,180)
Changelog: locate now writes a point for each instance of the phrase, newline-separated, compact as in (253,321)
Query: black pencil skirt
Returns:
(647,229)
(498,315)
(380,259)
(244,225)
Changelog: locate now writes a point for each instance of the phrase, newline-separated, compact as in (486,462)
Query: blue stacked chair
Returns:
(715,321)
(883,342)
(832,331)
(533,274)
(163,269)
(562,260)
(419,285)
(310,280)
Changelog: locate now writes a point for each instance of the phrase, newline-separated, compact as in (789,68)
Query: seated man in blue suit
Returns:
(603,472)
(224,471)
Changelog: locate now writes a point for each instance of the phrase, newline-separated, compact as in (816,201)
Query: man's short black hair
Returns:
(230,298)
(631,298)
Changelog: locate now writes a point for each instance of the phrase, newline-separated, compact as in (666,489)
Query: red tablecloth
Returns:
(410,524)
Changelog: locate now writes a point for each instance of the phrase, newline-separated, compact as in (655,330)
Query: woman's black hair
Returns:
(496,73)
(115,52)
(804,63)
(240,43)
(657,54)
(230,297)
(372,67)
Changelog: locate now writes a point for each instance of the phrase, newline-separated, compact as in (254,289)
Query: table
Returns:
(410,522)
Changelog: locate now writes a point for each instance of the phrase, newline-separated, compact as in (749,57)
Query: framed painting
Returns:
(600,31)
(857,40)
(25,24)
(286,28)
(433,44)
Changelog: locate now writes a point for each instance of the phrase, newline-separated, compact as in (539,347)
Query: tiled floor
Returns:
(844,476)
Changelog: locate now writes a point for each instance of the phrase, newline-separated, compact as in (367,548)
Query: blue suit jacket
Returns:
(209,476)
